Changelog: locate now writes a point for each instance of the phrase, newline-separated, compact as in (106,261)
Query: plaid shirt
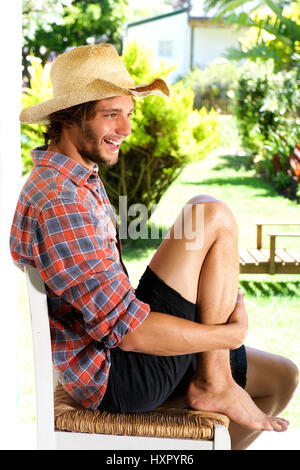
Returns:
(64,226)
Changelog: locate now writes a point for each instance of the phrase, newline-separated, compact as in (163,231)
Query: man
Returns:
(181,331)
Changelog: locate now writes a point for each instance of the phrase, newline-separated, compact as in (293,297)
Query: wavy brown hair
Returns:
(78,114)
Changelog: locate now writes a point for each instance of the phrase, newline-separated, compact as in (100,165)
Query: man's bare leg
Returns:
(271,382)
(209,276)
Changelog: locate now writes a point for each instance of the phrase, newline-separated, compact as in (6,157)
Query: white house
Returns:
(184,38)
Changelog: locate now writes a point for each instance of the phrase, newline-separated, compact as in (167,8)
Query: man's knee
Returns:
(289,376)
(215,212)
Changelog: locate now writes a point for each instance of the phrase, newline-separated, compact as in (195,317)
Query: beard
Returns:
(88,147)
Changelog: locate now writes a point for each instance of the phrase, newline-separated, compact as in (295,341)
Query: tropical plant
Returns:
(281,22)
(267,111)
(268,99)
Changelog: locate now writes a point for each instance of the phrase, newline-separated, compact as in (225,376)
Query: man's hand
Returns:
(239,320)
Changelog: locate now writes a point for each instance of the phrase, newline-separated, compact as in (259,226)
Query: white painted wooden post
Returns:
(43,364)
(222,438)
(10,182)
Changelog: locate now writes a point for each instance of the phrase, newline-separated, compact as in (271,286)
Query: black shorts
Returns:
(141,382)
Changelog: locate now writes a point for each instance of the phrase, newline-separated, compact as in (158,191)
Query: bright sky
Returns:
(142,3)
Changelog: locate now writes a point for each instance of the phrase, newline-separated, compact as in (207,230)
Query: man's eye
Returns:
(110,115)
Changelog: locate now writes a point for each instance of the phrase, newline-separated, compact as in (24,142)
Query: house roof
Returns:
(158,17)
(195,16)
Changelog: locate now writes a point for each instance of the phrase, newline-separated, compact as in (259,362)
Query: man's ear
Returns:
(67,124)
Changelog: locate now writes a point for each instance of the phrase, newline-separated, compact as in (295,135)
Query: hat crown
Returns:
(89,73)
(78,67)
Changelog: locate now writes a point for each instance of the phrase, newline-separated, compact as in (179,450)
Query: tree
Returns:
(39,14)
(282,25)
(77,23)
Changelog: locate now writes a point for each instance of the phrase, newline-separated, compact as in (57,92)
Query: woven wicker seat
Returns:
(165,421)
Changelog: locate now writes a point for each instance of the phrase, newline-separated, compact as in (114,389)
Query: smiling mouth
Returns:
(112,144)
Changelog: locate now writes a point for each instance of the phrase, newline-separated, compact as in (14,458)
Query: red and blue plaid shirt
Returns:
(64,226)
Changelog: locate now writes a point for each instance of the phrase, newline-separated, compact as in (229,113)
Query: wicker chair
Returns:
(72,427)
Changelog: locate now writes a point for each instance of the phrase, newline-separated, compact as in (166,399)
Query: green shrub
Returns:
(267,109)
(40,90)
(213,86)
(253,121)
(166,135)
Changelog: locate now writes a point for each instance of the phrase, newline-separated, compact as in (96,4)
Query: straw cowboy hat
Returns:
(89,73)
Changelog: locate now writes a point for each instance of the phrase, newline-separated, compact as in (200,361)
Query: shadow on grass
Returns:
(271,288)
(265,188)
(236,163)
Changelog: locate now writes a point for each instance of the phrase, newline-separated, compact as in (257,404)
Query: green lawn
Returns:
(273,302)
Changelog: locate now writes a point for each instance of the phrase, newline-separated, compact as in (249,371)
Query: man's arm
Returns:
(166,335)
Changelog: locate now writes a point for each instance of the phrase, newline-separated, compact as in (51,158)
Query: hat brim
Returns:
(96,90)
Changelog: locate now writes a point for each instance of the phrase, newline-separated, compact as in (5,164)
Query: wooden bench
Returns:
(274,260)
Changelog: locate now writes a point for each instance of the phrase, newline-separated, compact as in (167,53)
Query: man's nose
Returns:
(124,127)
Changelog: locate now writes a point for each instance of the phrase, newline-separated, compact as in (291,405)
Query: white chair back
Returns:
(44,377)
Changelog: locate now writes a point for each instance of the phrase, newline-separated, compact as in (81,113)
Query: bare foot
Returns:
(234,402)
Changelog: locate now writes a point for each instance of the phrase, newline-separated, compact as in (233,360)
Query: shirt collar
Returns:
(65,165)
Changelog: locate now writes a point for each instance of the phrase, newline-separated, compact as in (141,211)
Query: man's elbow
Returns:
(128,343)
(137,340)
